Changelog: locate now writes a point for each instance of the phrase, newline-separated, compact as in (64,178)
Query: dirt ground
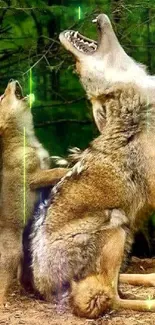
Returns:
(24,308)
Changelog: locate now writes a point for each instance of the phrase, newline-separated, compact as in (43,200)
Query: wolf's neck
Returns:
(113,139)
(25,125)
(16,133)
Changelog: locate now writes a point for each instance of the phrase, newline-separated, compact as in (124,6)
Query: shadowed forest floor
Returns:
(24,308)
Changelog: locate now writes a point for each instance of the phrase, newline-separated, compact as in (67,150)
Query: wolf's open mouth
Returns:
(81,46)
(18,91)
(80,42)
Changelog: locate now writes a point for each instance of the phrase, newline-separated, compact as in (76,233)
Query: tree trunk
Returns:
(53,28)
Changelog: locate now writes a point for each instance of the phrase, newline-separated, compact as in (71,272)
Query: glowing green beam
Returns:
(30,87)
(79,12)
(31,95)
(31,100)
(24,176)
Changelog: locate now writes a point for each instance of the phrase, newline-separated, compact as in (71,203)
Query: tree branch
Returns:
(61,121)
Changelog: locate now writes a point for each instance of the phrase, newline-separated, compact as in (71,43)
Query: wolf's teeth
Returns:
(94,20)
(75,34)
(79,43)
(78,48)
(67,35)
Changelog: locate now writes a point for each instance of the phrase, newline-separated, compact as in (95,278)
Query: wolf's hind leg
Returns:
(95,294)
(146,280)
(10,255)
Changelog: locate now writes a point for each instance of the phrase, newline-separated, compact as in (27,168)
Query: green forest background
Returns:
(30,52)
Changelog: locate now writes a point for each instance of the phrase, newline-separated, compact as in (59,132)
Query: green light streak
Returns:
(24,177)
(79,12)
(31,98)
(30,88)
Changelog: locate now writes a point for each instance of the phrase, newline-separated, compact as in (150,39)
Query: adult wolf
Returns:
(101,65)
(95,207)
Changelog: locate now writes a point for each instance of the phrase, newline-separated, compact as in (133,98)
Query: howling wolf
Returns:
(78,239)
(101,66)
(103,63)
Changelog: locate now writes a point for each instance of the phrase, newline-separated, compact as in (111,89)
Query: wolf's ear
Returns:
(99,114)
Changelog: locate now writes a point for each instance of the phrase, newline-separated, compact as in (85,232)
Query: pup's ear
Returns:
(99,114)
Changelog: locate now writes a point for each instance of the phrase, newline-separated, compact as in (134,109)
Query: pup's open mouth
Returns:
(18,91)
(15,88)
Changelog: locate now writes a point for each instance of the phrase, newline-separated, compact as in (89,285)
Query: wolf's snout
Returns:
(103,20)
(81,46)
(18,84)
(15,82)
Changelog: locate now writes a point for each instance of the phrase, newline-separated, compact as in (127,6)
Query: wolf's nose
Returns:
(11,80)
(103,19)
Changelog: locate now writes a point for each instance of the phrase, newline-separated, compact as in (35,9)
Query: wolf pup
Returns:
(24,168)
(80,237)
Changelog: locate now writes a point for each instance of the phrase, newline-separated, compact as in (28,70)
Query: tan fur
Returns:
(95,208)
(14,116)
